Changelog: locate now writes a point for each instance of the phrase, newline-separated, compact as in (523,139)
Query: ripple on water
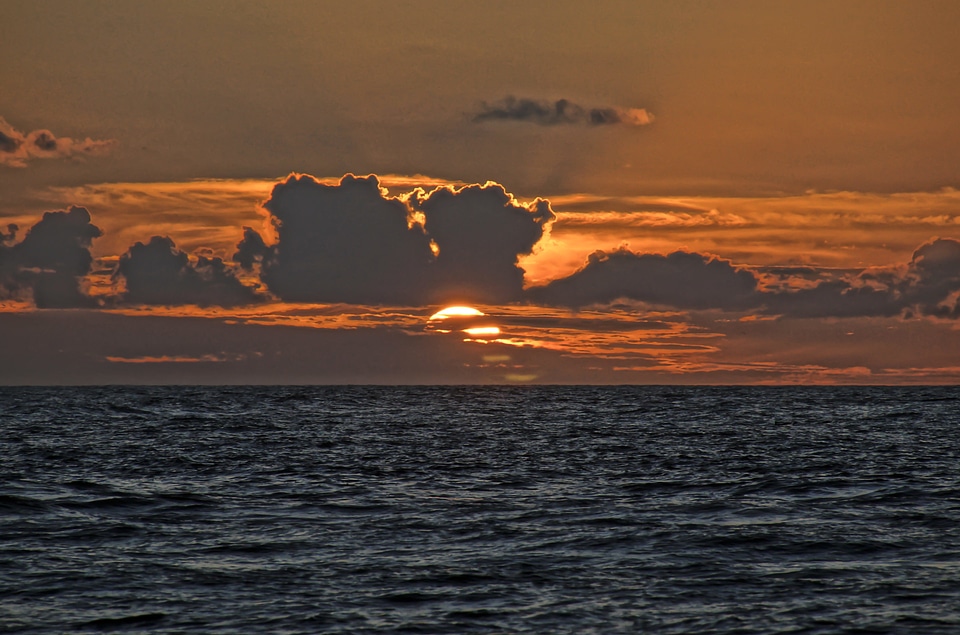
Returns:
(494,509)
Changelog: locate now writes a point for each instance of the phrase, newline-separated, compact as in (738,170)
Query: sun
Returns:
(463,319)
(482,331)
(456,311)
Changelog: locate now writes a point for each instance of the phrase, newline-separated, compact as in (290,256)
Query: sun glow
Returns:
(482,330)
(455,311)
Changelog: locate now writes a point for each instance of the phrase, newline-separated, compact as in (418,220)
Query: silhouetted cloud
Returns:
(929,285)
(18,148)
(251,249)
(341,243)
(50,260)
(350,242)
(480,231)
(680,280)
(353,243)
(561,111)
(159,273)
(834,298)
(934,278)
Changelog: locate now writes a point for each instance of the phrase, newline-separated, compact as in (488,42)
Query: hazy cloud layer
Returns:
(19,148)
(351,242)
(50,261)
(159,273)
(559,112)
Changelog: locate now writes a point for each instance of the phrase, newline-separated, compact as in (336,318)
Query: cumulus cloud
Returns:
(834,298)
(348,242)
(933,279)
(251,249)
(159,273)
(480,232)
(561,111)
(929,285)
(681,280)
(19,148)
(50,261)
(352,242)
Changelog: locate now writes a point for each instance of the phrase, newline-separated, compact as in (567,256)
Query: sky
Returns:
(613,192)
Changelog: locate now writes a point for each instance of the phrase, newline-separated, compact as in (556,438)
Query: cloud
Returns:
(681,280)
(159,273)
(251,249)
(18,148)
(49,263)
(480,232)
(846,230)
(834,298)
(349,241)
(929,285)
(340,243)
(196,214)
(561,111)
(352,242)
(934,279)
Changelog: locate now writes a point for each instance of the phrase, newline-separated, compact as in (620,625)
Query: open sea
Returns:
(480,510)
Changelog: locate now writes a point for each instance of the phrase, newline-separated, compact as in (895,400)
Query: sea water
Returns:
(480,509)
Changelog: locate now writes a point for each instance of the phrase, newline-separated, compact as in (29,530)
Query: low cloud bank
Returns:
(679,280)
(158,273)
(559,112)
(351,242)
(929,285)
(19,148)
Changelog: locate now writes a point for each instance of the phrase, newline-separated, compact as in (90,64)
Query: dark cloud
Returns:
(833,298)
(18,148)
(934,276)
(250,250)
(929,285)
(159,273)
(341,243)
(680,280)
(353,243)
(10,235)
(51,260)
(480,231)
(9,143)
(561,111)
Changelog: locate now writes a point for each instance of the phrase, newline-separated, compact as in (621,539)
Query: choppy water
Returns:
(546,510)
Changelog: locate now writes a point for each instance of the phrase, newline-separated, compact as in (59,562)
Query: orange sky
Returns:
(798,147)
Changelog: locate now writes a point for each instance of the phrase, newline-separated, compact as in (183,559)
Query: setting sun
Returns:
(480,331)
(456,311)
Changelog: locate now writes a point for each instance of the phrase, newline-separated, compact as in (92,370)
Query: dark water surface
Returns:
(456,510)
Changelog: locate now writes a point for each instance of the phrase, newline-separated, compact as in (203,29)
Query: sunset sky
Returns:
(621,191)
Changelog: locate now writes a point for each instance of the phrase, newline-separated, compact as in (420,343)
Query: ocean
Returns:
(480,510)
